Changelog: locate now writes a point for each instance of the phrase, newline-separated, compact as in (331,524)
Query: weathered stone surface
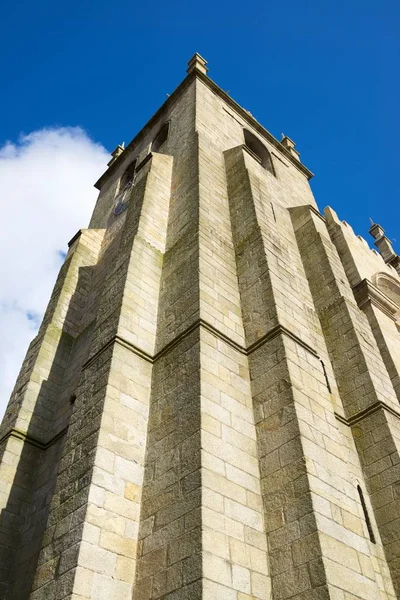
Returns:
(210,408)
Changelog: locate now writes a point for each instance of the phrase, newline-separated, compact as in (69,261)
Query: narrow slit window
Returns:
(328,385)
(160,138)
(366,515)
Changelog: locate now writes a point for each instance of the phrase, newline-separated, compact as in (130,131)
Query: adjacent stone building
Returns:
(210,409)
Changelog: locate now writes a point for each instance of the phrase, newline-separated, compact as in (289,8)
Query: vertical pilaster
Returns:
(202,532)
(169,556)
(234,539)
(369,400)
(317,540)
(169,551)
(33,430)
(90,544)
(209,406)
(382,317)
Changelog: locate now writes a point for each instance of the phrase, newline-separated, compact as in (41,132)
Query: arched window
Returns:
(389,285)
(160,138)
(257,147)
(128,177)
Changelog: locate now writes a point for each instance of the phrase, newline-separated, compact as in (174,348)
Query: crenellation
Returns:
(363,240)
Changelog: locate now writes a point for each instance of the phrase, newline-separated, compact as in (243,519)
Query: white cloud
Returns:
(46,195)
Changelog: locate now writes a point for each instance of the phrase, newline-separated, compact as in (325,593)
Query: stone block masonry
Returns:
(210,409)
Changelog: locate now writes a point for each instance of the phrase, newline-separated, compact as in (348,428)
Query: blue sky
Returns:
(326,74)
(80,77)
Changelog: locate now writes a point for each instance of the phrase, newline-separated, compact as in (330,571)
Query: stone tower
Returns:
(210,409)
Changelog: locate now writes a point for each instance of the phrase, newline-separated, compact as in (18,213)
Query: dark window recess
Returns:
(273,211)
(128,177)
(160,138)
(258,148)
(366,515)
(72,399)
(326,376)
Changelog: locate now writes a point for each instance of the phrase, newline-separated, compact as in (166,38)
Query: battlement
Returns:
(365,261)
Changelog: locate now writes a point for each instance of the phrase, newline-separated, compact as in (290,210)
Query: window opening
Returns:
(160,138)
(273,211)
(326,376)
(257,147)
(366,515)
(127,182)
(128,178)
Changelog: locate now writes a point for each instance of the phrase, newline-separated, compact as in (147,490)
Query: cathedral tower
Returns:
(210,409)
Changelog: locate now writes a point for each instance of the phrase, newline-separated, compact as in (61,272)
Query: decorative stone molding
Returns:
(144,161)
(74,238)
(197,62)
(290,146)
(388,285)
(363,414)
(28,439)
(201,323)
(115,153)
(366,293)
(200,72)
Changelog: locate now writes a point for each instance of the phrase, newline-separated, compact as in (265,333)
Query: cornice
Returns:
(28,439)
(309,207)
(74,238)
(248,118)
(317,213)
(281,330)
(367,412)
(197,324)
(366,294)
(254,123)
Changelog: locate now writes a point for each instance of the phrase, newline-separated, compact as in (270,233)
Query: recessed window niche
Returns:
(257,147)
(160,138)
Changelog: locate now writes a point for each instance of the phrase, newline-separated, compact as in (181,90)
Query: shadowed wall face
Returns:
(210,408)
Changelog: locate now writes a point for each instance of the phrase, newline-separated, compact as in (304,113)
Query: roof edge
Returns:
(234,105)
(141,134)
(255,124)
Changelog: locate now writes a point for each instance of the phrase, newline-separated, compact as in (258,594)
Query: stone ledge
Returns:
(122,342)
(252,154)
(26,438)
(281,330)
(370,410)
(366,294)
(144,161)
(74,238)
(278,330)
